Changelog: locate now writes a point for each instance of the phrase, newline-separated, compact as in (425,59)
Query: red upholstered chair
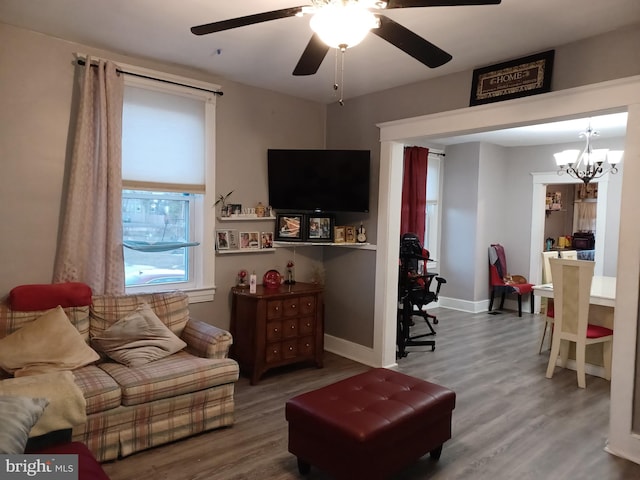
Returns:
(502,283)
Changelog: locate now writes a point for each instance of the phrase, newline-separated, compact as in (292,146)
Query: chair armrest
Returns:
(206,340)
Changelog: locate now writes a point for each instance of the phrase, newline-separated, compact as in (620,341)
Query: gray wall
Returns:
(37,104)
(459,220)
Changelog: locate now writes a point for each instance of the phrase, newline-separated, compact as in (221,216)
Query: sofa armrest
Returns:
(206,340)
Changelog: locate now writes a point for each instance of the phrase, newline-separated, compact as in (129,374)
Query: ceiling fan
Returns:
(343,24)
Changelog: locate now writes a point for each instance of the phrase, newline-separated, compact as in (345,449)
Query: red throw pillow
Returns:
(30,298)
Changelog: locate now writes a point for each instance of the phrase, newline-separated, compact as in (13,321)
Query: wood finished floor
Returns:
(510,422)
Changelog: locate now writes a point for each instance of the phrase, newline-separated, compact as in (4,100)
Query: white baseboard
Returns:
(463,305)
(624,454)
(480,305)
(352,351)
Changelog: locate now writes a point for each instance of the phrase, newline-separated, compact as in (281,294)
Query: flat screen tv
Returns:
(319,180)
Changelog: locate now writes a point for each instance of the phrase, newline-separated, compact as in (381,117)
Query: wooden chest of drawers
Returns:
(277,326)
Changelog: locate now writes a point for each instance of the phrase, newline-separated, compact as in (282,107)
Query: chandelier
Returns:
(589,163)
(343,24)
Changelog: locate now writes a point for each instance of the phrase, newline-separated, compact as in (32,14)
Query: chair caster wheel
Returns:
(435,321)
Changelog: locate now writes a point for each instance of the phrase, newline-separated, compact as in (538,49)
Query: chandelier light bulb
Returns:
(598,156)
(566,157)
(615,156)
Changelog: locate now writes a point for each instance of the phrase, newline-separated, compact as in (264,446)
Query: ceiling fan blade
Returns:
(438,3)
(312,57)
(244,21)
(410,43)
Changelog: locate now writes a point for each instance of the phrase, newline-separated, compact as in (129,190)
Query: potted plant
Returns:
(222,199)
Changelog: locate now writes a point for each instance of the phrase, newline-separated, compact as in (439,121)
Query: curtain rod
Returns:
(81,61)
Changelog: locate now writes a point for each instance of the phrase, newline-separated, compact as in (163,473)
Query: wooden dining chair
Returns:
(547,303)
(569,254)
(571,293)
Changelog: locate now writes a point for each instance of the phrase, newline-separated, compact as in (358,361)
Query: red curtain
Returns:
(414,191)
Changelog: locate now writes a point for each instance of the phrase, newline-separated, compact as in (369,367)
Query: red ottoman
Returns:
(370,425)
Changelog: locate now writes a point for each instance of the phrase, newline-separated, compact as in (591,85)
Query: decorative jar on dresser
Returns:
(277,326)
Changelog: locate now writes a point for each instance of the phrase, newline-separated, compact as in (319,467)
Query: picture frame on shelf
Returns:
(350,234)
(289,227)
(222,240)
(249,240)
(266,240)
(338,234)
(319,228)
(234,209)
(233,239)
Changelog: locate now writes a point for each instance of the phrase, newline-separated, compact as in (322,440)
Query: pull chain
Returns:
(341,49)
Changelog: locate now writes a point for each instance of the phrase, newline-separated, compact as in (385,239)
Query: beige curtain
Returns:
(586,216)
(90,247)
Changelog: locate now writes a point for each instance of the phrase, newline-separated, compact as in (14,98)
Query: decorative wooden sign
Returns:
(513,79)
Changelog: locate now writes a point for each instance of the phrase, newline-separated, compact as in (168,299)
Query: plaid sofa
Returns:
(134,408)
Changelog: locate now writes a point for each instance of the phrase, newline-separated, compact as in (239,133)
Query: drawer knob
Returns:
(275,351)
(276,308)
(275,330)
(293,327)
(293,306)
(308,304)
(290,348)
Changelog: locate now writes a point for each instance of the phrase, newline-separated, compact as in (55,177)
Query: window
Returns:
(432,220)
(167,175)
(157,218)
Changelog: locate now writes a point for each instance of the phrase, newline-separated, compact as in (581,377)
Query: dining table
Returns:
(603,291)
(602,302)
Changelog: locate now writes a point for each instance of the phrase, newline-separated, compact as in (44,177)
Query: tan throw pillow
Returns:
(49,343)
(138,338)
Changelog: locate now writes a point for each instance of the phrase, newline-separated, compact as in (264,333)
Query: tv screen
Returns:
(319,180)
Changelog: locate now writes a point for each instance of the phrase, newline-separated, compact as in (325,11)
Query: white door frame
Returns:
(540,182)
(606,97)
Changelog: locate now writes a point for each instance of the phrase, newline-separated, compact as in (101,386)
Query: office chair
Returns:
(414,294)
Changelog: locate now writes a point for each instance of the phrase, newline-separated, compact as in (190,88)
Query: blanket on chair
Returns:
(67,406)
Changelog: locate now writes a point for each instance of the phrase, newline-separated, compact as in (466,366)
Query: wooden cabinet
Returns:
(277,326)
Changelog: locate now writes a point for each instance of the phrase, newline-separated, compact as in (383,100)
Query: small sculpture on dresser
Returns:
(242,276)
(290,277)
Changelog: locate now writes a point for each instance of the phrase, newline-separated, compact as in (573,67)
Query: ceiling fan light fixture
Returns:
(341,25)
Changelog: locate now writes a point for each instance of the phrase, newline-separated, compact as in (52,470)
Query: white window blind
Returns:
(163,141)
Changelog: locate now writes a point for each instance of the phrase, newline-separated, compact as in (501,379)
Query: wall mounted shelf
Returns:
(244,218)
(360,246)
(245,250)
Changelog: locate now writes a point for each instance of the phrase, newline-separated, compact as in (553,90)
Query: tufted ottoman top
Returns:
(377,406)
